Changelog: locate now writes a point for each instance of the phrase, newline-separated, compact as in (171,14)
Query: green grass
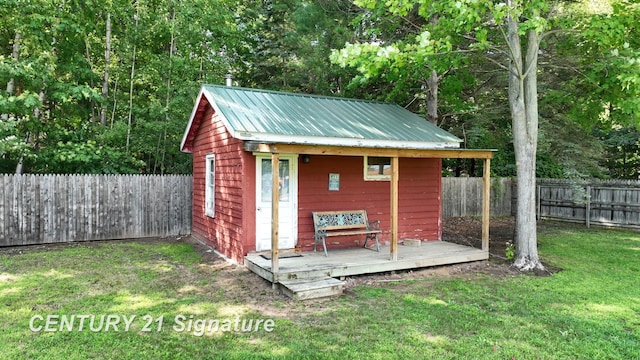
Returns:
(589,310)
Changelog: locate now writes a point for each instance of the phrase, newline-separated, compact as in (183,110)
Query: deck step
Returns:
(303,289)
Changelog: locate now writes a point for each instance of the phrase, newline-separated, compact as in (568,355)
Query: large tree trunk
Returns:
(523,102)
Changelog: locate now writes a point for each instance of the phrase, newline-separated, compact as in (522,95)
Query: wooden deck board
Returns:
(358,261)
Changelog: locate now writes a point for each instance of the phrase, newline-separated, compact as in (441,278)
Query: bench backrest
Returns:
(334,220)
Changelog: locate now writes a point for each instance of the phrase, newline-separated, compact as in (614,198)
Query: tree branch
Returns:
(501,66)
(511,54)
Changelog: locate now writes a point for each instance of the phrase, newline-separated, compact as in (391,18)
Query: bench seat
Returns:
(344,223)
(354,232)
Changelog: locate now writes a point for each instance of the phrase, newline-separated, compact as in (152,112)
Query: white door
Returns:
(288,206)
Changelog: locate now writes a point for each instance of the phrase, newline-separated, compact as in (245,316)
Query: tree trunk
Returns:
(130,116)
(172,49)
(11,87)
(133,69)
(523,103)
(105,83)
(432,97)
(15,55)
(115,102)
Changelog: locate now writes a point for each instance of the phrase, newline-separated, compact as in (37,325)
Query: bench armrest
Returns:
(373,225)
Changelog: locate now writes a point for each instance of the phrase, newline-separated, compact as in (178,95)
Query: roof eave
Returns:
(349,142)
(186,145)
(195,119)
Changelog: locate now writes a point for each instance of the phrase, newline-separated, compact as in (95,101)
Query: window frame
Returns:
(379,177)
(210,185)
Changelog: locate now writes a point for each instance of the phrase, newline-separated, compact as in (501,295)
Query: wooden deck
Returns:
(358,261)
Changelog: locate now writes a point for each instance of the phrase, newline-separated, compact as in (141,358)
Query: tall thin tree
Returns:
(131,78)
(107,62)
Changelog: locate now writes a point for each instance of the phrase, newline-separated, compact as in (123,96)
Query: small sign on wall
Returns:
(334,182)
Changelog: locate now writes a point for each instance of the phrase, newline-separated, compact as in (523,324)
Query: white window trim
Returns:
(367,177)
(210,185)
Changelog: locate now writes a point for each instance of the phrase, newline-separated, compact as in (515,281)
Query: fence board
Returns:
(37,209)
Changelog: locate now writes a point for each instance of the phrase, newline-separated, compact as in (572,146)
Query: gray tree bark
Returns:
(15,55)
(432,97)
(523,102)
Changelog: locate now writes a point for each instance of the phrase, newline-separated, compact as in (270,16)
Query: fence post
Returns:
(587,214)
(539,205)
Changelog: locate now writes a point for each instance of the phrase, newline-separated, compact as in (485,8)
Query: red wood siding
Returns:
(230,231)
(419,209)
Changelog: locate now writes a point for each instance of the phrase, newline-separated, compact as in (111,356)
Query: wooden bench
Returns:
(344,223)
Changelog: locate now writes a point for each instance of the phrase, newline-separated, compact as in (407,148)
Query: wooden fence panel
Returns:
(606,203)
(37,209)
(558,203)
(462,196)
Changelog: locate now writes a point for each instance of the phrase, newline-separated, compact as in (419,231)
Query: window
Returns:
(267,180)
(377,168)
(210,185)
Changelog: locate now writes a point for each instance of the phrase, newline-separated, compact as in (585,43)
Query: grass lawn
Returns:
(589,310)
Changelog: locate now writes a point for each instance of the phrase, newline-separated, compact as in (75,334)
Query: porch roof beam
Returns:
(367,151)
(395,172)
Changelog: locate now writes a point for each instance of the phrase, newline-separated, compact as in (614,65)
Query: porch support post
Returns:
(394,208)
(275,202)
(486,195)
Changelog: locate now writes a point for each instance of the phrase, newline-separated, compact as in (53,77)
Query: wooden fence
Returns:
(462,196)
(611,203)
(36,209)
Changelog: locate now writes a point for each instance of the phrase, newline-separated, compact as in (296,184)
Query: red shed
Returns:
(331,154)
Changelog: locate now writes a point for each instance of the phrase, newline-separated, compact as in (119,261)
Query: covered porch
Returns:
(294,273)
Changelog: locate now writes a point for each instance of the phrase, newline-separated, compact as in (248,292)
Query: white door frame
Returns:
(293,197)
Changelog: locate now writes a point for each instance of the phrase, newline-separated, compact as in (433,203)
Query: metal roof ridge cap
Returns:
(285,93)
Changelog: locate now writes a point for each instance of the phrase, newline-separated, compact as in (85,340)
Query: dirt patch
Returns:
(468,231)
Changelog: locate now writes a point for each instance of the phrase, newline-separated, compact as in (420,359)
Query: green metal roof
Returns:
(271,116)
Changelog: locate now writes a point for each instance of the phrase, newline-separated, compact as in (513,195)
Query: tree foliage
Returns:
(437,58)
(161,51)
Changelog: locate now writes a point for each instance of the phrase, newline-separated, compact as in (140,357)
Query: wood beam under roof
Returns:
(367,151)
